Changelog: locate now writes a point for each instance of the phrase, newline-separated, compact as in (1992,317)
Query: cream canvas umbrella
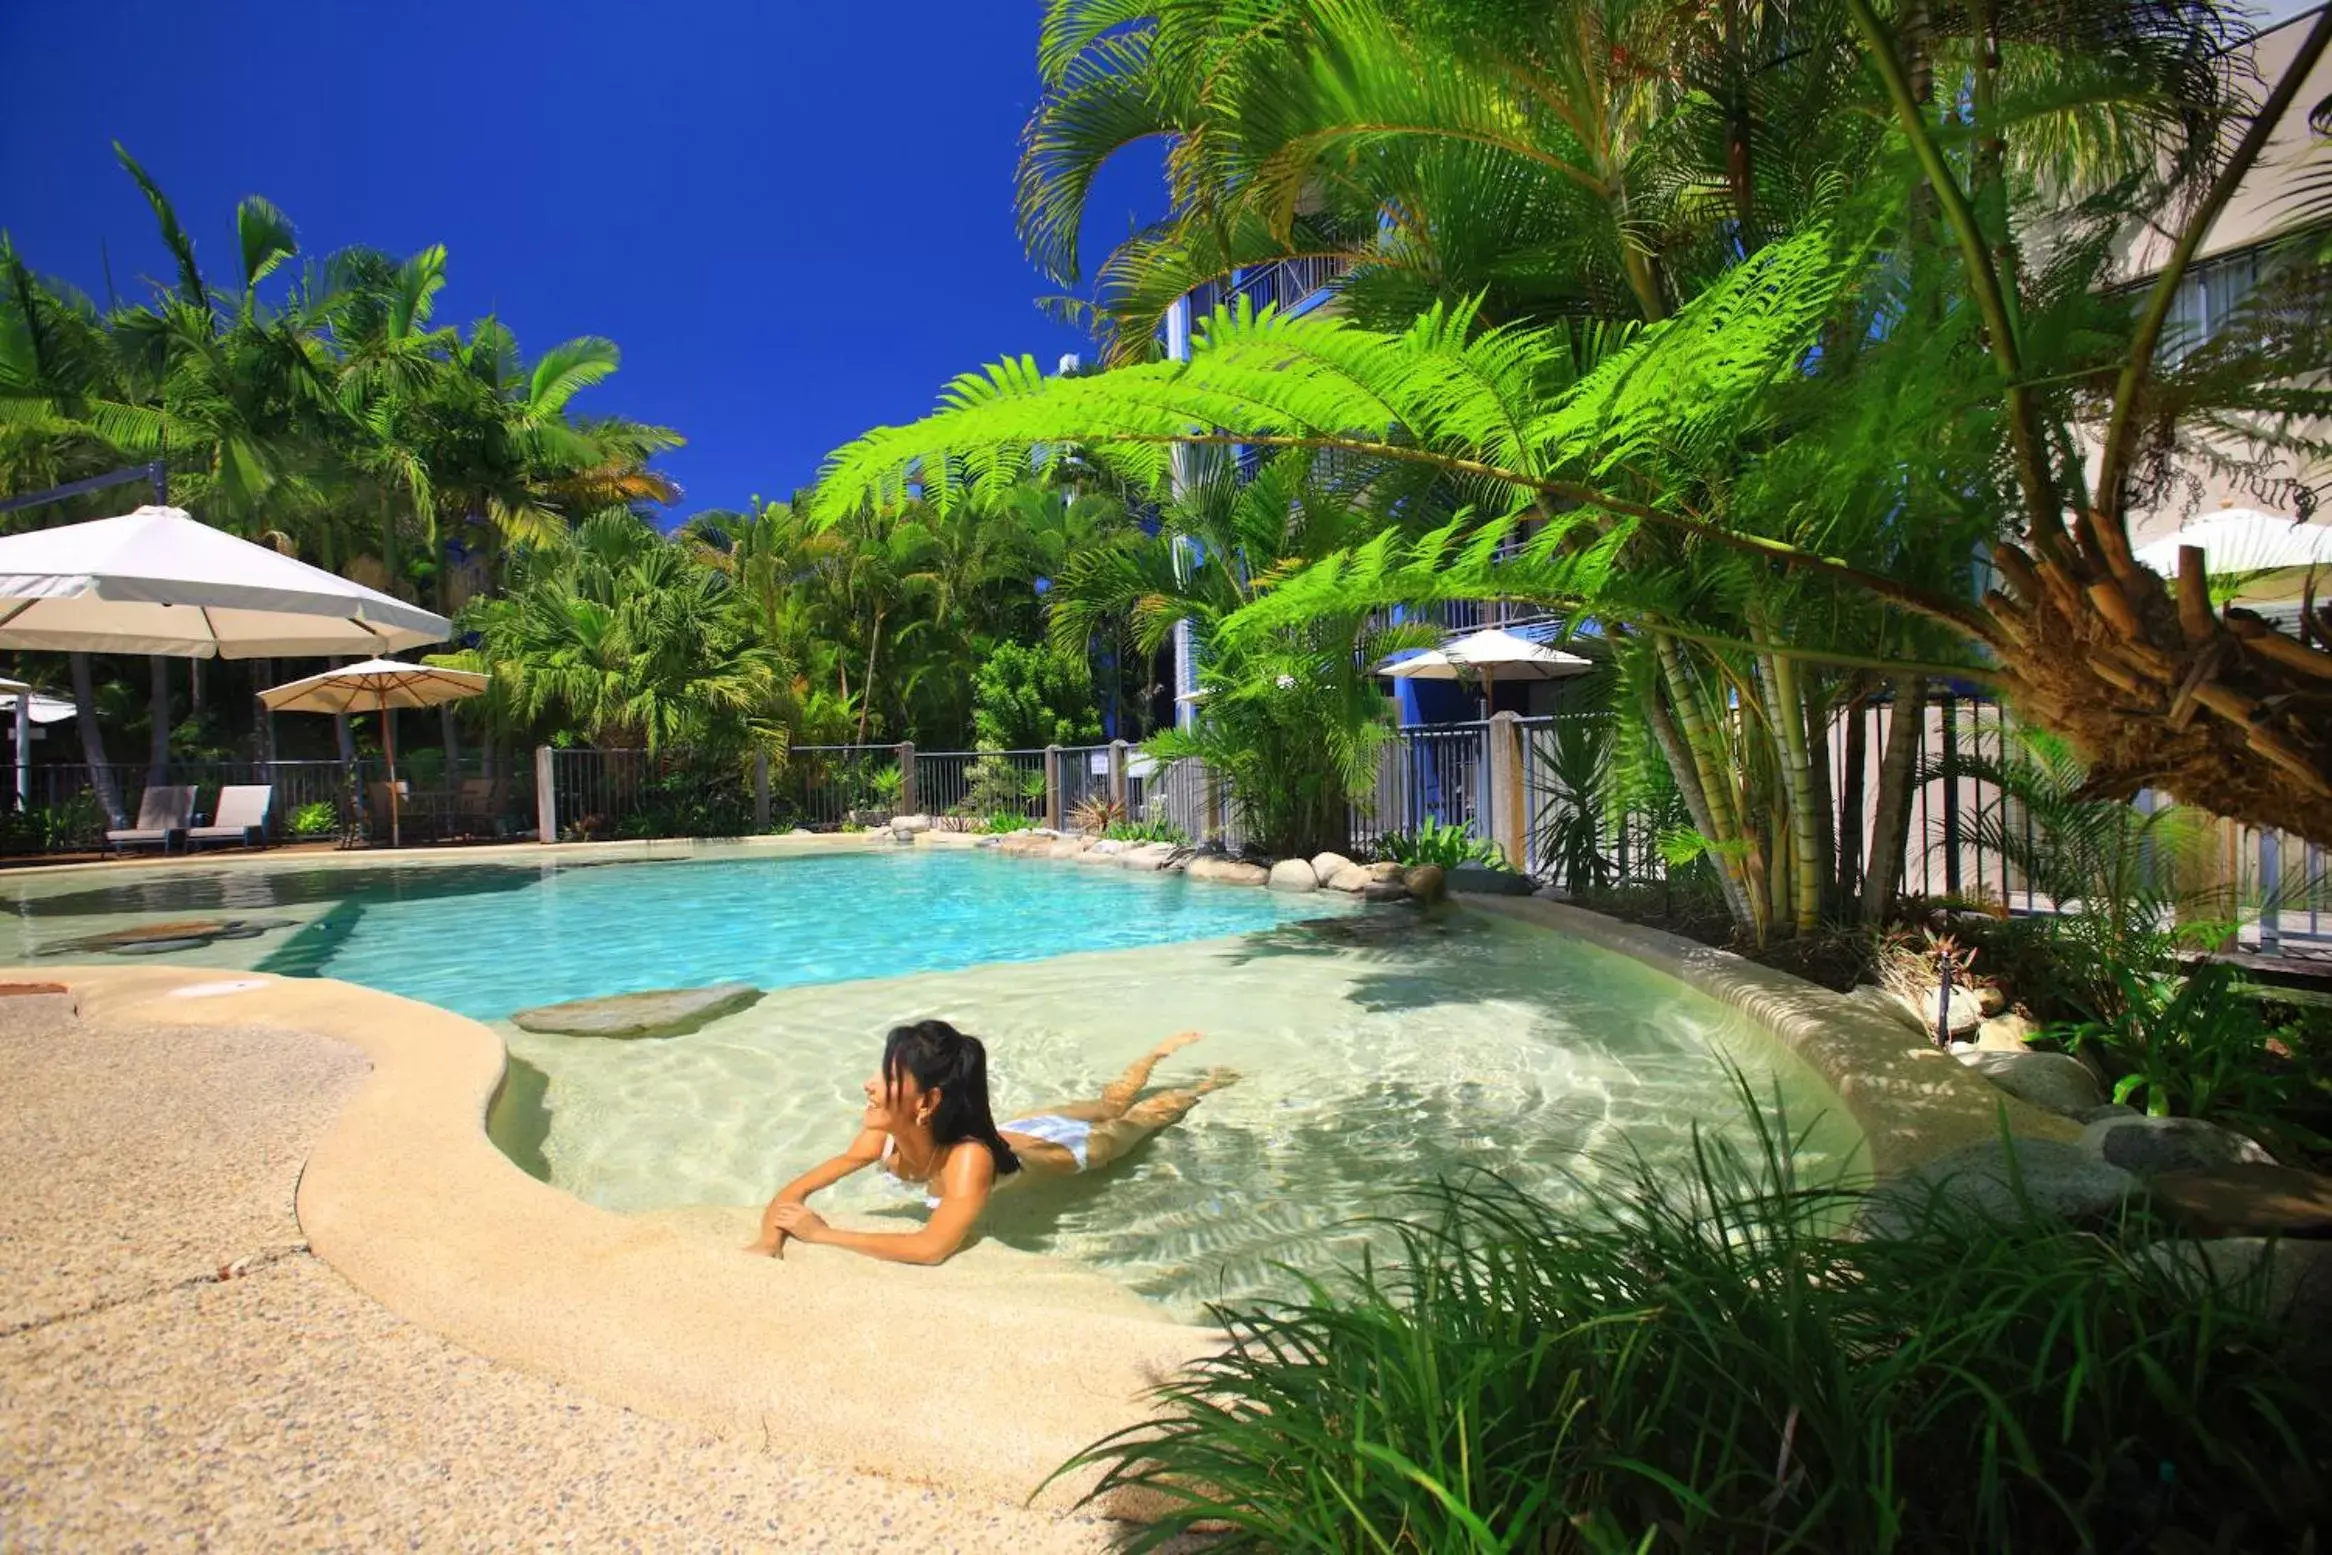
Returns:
(376,686)
(160,581)
(2243,540)
(1489,654)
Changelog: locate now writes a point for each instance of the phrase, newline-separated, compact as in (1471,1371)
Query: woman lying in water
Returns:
(927,1124)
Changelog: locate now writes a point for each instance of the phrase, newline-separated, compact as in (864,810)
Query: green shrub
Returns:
(1433,842)
(689,803)
(1708,1361)
(1149,831)
(1028,695)
(65,827)
(996,821)
(2198,1045)
(319,818)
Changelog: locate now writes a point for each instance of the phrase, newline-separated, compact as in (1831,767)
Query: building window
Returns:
(2208,296)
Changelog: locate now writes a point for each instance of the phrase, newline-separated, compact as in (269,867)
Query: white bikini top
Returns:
(890,1148)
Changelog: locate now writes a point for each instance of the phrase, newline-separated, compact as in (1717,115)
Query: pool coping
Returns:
(408,1199)
(405,1197)
(1912,1101)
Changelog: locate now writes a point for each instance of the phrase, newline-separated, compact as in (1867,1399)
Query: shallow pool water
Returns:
(1376,1048)
(1376,1053)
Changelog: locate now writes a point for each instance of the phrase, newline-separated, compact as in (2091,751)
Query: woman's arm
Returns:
(864,1151)
(964,1185)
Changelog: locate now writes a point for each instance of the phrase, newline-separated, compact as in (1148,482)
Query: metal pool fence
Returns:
(60,809)
(1509,780)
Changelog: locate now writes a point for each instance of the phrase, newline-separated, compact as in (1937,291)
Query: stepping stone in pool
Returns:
(154,939)
(664,1012)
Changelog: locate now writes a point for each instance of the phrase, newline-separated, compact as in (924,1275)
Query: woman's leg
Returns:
(1121,1093)
(1113,1137)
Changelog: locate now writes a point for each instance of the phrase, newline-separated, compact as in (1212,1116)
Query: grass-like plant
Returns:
(1152,830)
(1096,814)
(1707,1360)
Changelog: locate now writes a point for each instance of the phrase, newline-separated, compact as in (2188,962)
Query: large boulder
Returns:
(2246,1200)
(1326,866)
(911,823)
(1357,878)
(2290,1279)
(1293,874)
(2048,1080)
(1384,891)
(665,1012)
(2151,1146)
(1148,855)
(1227,871)
(1426,883)
(1489,880)
(2053,1180)
(2008,1033)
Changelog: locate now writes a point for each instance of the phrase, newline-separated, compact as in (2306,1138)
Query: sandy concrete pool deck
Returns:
(440,1348)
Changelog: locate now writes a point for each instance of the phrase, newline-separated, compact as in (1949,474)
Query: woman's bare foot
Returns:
(1216,1079)
(1177,1042)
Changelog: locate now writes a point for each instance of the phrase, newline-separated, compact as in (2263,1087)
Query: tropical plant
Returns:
(2194,1044)
(1435,841)
(619,637)
(1574,824)
(1718,1358)
(1291,720)
(318,818)
(885,786)
(1028,695)
(992,822)
(2125,883)
(1629,182)
(1097,815)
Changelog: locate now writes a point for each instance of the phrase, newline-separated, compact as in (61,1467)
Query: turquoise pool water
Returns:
(779,923)
(1376,1047)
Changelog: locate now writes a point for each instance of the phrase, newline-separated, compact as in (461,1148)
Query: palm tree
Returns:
(1293,716)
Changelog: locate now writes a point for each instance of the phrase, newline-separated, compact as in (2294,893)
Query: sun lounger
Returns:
(241,818)
(163,814)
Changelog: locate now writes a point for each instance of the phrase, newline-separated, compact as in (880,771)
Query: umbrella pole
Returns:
(389,746)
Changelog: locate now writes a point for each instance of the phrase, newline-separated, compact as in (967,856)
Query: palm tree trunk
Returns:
(1849,807)
(452,734)
(1786,714)
(874,641)
(93,744)
(1686,771)
(358,803)
(1718,819)
(158,720)
(1891,814)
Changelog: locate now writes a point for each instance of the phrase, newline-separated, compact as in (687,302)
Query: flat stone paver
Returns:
(147,1403)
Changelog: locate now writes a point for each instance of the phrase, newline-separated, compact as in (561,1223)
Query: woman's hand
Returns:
(770,1244)
(798,1221)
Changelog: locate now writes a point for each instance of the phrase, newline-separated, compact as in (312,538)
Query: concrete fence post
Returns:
(761,791)
(1117,776)
(1053,787)
(910,802)
(1508,826)
(546,797)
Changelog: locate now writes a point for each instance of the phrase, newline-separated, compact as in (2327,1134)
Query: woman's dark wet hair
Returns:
(945,1060)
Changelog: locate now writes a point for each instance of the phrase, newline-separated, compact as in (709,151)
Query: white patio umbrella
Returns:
(2243,540)
(1489,654)
(159,581)
(376,686)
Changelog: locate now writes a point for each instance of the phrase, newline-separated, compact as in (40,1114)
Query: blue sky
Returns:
(795,219)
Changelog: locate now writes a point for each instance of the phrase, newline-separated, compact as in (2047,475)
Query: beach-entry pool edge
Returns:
(407,1197)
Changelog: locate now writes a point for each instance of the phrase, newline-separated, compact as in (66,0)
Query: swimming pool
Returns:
(1377,1047)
